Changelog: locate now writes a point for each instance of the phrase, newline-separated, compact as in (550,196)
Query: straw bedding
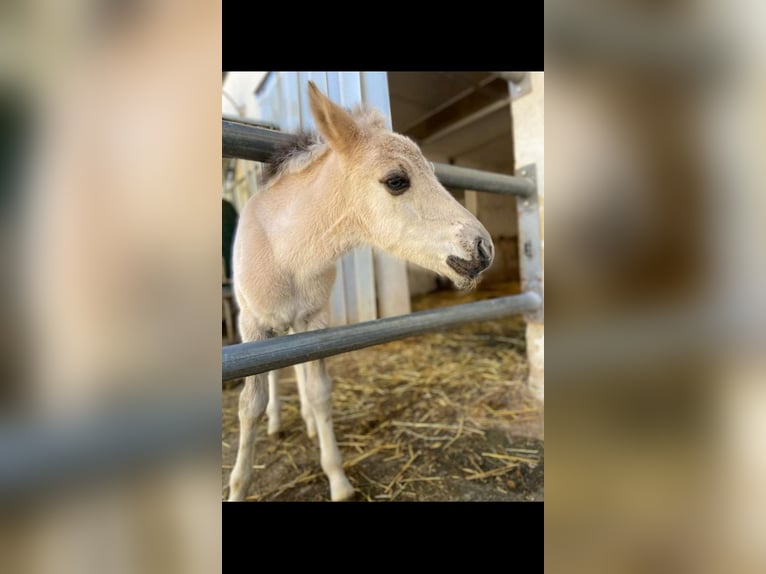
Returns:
(443,416)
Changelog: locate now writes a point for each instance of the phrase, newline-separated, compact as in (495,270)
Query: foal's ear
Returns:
(336,125)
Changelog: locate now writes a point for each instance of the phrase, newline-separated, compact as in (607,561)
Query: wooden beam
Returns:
(472,102)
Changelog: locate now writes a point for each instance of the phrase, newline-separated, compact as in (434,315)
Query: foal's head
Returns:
(391,191)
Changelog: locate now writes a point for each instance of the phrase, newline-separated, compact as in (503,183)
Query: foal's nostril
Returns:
(484,251)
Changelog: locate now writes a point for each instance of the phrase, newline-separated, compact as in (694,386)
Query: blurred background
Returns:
(109,452)
(655,149)
(655,144)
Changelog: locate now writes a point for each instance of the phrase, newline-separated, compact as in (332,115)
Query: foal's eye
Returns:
(397,184)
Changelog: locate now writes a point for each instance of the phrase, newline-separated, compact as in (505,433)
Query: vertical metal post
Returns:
(527,111)
(391,283)
(530,256)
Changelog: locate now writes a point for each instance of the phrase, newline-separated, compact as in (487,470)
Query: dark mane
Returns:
(303,143)
(307,145)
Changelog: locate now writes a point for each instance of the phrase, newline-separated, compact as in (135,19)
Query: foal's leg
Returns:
(273,410)
(306,412)
(252,404)
(319,394)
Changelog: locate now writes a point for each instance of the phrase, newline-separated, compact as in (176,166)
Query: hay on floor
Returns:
(442,416)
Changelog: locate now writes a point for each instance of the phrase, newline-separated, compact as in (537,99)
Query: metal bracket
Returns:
(520,86)
(530,252)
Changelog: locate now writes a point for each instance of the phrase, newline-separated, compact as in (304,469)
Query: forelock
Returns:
(368,117)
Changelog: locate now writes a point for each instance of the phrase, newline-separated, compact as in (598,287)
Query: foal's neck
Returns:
(322,227)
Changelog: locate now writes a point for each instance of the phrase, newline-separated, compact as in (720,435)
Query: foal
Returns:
(360,184)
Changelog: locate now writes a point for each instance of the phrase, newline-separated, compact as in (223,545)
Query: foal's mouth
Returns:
(468,268)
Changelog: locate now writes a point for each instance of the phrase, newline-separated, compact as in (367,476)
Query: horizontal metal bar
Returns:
(479,180)
(250,121)
(251,142)
(261,356)
(257,144)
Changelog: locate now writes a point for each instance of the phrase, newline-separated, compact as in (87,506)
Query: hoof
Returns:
(239,483)
(236,494)
(341,490)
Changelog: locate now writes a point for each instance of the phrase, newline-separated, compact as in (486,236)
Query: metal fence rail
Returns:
(247,141)
(261,356)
